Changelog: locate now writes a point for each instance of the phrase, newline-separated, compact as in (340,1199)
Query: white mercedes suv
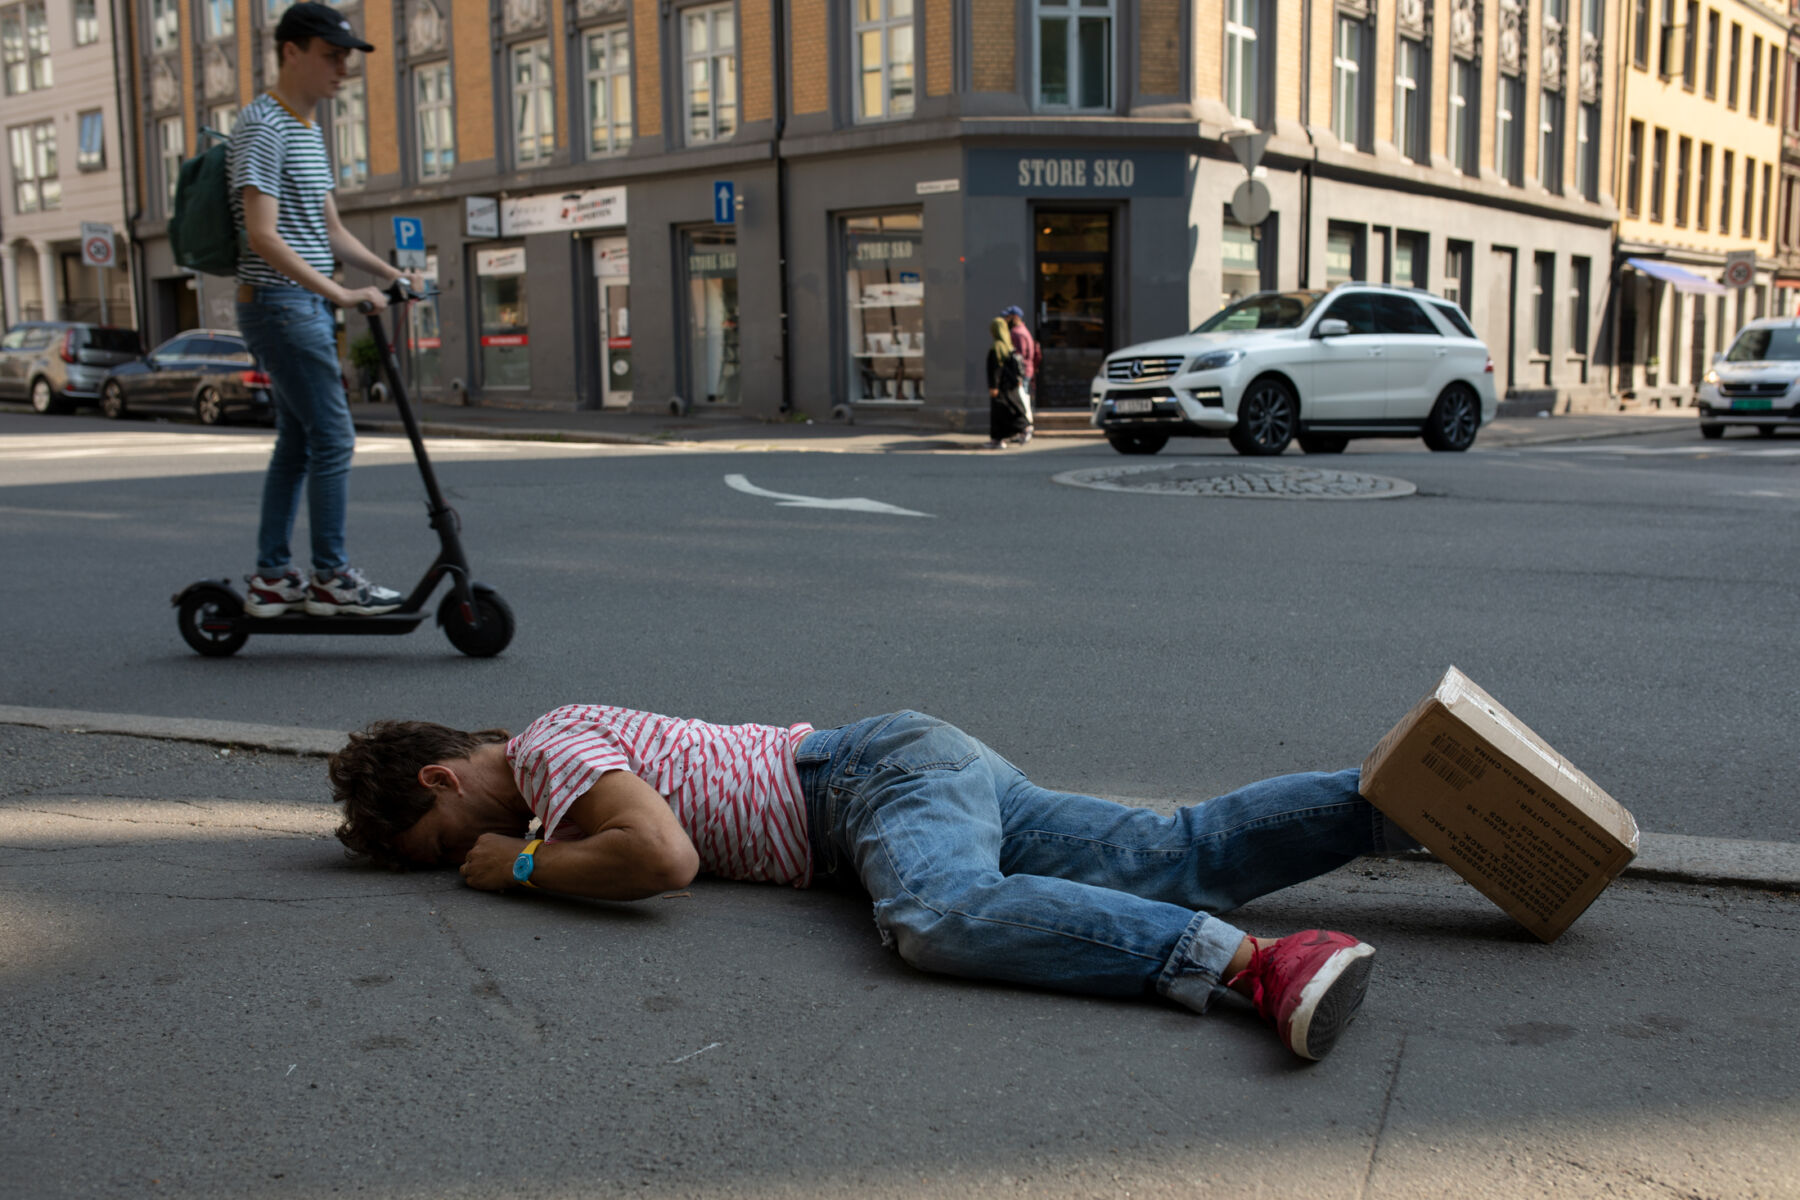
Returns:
(1756,382)
(1320,367)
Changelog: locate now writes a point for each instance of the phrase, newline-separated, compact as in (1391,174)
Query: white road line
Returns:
(850,504)
(1673,451)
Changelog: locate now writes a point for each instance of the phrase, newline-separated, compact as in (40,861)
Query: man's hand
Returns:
(489,865)
(352,297)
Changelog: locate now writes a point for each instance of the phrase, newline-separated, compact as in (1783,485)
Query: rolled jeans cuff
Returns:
(1194,975)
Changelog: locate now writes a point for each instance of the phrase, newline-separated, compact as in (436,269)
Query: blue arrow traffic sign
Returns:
(724,202)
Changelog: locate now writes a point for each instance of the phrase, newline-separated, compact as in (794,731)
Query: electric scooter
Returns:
(477,621)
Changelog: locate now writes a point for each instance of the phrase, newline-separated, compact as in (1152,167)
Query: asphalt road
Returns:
(1633,600)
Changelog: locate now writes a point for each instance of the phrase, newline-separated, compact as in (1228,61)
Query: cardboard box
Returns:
(1493,800)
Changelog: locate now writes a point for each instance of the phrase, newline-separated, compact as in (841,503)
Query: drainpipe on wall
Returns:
(782,75)
(1306,168)
(126,119)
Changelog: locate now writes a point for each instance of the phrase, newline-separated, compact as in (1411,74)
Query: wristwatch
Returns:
(526,862)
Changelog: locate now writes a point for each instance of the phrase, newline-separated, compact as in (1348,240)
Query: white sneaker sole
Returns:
(1330,1000)
(253,609)
(318,608)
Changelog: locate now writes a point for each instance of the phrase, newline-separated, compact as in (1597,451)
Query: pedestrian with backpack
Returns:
(280,181)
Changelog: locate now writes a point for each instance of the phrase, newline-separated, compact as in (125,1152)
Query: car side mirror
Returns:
(1332,327)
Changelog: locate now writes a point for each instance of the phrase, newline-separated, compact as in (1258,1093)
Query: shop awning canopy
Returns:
(1684,281)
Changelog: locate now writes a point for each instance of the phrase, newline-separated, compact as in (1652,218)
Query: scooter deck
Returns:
(387,624)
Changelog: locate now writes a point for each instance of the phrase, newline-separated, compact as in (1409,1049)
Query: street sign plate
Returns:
(724,202)
(97,244)
(1250,202)
(409,233)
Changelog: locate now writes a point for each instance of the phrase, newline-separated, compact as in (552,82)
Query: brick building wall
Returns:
(1209,51)
(810,53)
(992,66)
(756,62)
(382,91)
(940,62)
(472,80)
(1159,47)
(646,58)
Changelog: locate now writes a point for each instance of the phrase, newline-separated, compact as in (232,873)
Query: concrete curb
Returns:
(1664,857)
(434,429)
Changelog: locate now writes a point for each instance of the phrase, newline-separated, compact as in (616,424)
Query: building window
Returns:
(1732,65)
(1410,128)
(1774,82)
(1580,269)
(714,375)
(1344,251)
(221,118)
(533,106)
(1727,177)
(1074,54)
(165,24)
(709,95)
(1712,53)
(90,146)
(220,18)
(608,75)
(1464,146)
(1550,141)
(1690,45)
(1634,170)
(1684,151)
(171,147)
(1659,166)
(1749,194)
(350,135)
(884,59)
(1347,90)
(1665,57)
(1587,152)
(1543,298)
(87,23)
(1703,187)
(1509,130)
(25,47)
(424,336)
(35,185)
(1410,249)
(1640,34)
(1240,264)
(884,292)
(1762,221)
(437,125)
(1242,18)
(1459,258)
(1755,74)
(505,315)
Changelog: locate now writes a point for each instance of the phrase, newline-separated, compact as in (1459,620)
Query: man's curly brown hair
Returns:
(376,779)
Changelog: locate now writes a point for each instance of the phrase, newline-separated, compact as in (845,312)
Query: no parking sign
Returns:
(96,244)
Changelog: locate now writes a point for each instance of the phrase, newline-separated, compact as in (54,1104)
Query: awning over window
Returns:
(1684,281)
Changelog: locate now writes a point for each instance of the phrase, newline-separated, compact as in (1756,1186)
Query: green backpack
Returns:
(202,232)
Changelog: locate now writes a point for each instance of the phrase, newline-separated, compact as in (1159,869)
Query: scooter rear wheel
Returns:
(496,629)
(211,608)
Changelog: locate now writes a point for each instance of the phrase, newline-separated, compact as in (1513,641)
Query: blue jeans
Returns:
(977,871)
(291,332)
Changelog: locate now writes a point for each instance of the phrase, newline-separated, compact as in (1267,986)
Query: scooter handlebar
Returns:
(398,292)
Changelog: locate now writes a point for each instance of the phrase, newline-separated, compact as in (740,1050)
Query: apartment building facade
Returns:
(1787,228)
(767,206)
(1698,167)
(64,162)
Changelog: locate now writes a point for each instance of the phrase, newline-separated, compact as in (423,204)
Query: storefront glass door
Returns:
(1073,304)
(712,317)
(612,280)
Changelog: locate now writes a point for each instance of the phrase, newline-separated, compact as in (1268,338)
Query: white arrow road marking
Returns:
(849,504)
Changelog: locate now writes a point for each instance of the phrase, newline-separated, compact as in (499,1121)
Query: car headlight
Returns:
(1215,360)
(1710,377)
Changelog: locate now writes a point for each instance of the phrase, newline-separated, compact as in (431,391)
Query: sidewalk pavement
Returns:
(204,1000)
(717,431)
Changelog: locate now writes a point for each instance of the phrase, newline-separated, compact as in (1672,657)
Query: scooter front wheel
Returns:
(496,629)
(206,617)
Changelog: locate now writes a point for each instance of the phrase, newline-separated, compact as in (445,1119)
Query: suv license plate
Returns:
(1752,405)
(1133,406)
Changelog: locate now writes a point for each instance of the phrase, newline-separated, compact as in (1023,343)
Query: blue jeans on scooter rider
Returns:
(281,179)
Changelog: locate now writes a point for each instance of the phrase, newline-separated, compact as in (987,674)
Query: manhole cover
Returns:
(1239,481)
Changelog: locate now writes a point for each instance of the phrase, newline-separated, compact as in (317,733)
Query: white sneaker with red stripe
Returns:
(346,593)
(272,595)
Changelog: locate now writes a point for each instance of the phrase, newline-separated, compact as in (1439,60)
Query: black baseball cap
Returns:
(309,20)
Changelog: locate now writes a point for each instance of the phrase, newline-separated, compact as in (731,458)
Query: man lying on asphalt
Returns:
(973,869)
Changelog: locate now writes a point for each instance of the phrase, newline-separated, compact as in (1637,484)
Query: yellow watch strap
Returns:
(531,848)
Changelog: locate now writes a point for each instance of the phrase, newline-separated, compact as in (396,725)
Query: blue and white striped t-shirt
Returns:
(281,156)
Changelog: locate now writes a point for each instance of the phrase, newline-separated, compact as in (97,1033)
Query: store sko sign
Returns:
(1077,173)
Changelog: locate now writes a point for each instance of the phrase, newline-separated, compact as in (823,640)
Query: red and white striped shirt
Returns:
(734,788)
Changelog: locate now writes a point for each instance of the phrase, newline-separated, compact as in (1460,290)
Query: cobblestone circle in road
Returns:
(1239,481)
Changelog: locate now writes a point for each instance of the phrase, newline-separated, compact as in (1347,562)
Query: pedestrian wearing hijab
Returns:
(1005,372)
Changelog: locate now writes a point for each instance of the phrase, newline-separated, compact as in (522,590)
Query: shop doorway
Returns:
(612,285)
(1497,322)
(1072,304)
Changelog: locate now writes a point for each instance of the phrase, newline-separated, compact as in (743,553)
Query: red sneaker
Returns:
(1310,985)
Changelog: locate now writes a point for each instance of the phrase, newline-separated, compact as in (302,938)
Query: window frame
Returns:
(1463,137)
(1659,173)
(1665,50)
(1754,92)
(1768,185)
(1587,151)
(87,26)
(1634,169)
(1734,62)
(31,153)
(601,90)
(1749,195)
(1543,300)
(1774,82)
(1509,129)
(169,155)
(426,113)
(25,48)
(1349,82)
(1712,54)
(883,27)
(1640,35)
(717,128)
(1073,13)
(1703,187)
(1412,129)
(1551,141)
(221,19)
(1581,272)
(1690,46)
(349,116)
(540,92)
(1684,153)
(165,25)
(84,162)
(1246,43)
(1727,184)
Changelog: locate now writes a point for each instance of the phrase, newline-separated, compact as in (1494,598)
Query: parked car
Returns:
(208,372)
(1756,382)
(1320,367)
(60,364)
